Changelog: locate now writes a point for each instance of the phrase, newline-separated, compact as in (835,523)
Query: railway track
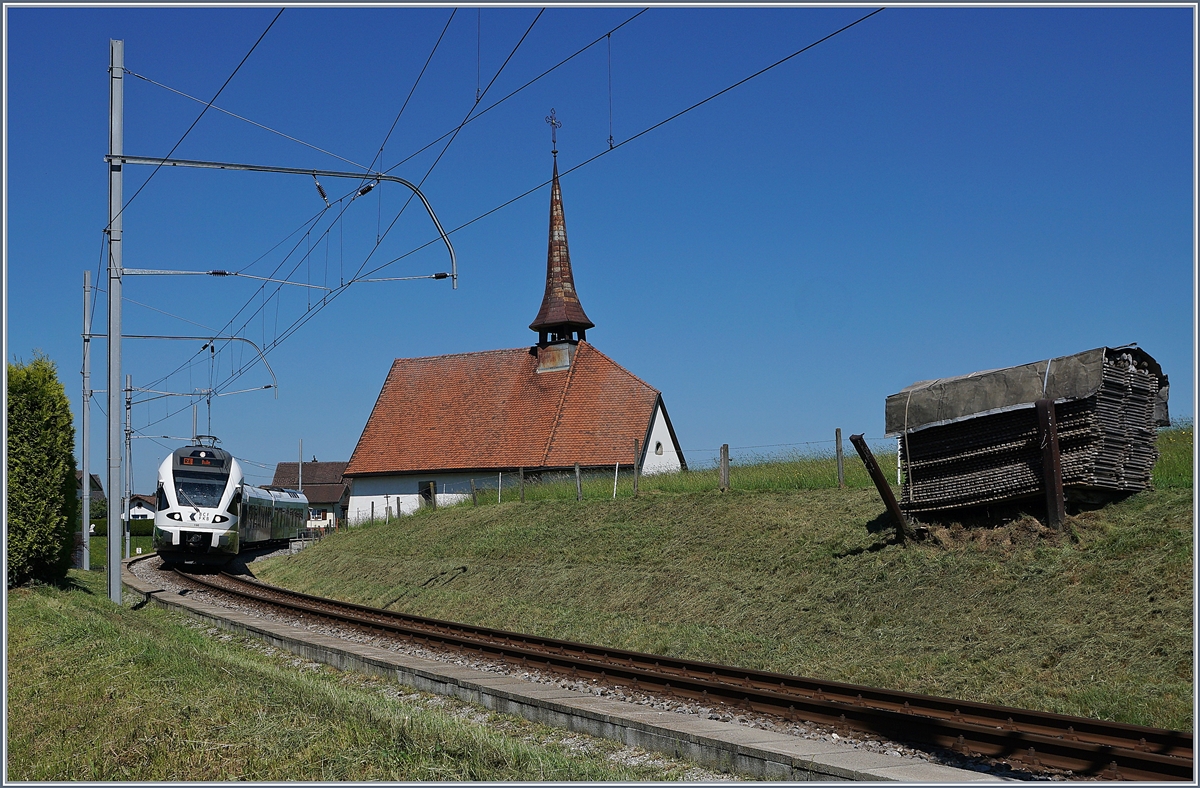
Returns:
(1028,740)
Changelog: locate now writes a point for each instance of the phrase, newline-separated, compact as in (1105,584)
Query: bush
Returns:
(42,507)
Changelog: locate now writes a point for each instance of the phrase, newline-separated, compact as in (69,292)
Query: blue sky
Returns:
(932,192)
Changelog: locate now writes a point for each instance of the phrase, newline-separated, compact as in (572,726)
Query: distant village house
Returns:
(322,483)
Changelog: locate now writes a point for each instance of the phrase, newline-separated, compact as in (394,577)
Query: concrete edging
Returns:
(722,746)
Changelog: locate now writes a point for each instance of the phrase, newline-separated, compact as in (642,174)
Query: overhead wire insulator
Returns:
(321,191)
(366,189)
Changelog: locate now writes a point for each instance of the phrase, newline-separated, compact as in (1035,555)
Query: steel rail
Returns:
(1028,739)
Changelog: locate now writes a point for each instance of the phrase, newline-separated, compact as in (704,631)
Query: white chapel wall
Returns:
(400,492)
(660,439)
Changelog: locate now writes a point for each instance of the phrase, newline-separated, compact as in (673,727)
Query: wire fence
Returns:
(804,465)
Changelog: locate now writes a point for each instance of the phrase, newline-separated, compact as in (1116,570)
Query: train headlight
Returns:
(219,518)
(174,516)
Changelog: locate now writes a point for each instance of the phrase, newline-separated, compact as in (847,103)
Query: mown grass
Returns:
(1096,621)
(100,692)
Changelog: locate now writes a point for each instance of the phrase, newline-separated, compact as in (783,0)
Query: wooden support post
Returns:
(724,467)
(1056,512)
(474,497)
(521,471)
(637,464)
(578,484)
(433,494)
(885,490)
(840,463)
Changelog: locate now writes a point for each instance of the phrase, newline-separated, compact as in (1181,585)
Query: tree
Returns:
(42,507)
(99,506)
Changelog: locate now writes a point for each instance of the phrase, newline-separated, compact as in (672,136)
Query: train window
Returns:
(161,499)
(234,501)
(203,490)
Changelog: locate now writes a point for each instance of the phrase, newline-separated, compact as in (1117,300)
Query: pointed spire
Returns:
(561,313)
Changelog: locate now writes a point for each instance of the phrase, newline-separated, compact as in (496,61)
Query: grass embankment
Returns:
(1095,621)
(806,471)
(97,692)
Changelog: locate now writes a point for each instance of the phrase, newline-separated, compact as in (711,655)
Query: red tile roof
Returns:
(494,410)
(314,473)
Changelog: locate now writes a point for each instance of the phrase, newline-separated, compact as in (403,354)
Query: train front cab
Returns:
(198,498)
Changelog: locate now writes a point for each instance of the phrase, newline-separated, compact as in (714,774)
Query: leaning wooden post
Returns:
(1056,512)
(725,467)
(433,494)
(521,471)
(474,498)
(636,465)
(578,484)
(841,466)
(885,491)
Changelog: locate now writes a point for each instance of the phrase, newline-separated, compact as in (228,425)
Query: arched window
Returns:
(658,447)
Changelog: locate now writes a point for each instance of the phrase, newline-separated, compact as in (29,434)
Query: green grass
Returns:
(98,549)
(100,692)
(796,471)
(1175,450)
(1094,622)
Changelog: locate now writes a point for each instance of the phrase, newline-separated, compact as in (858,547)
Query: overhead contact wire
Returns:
(641,133)
(225,84)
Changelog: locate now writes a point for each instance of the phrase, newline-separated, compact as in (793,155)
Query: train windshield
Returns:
(199,490)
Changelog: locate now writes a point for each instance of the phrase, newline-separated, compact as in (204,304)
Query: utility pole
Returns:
(86,501)
(128,503)
(116,147)
(300,469)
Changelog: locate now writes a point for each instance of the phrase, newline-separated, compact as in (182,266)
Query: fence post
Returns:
(885,492)
(521,471)
(724,467)
(372,511)
(1051,464)
(841,467)
(499,485)
(636,465)
(616,471)
(474,498)
(578,484)
(433,494)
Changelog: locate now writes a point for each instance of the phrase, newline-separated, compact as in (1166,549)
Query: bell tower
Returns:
(561,322)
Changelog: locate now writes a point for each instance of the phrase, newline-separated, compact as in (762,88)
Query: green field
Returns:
(803,578)
(101,693)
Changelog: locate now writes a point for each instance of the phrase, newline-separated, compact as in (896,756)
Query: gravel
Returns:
(149,571)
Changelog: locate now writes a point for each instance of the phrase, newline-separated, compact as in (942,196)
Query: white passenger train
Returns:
(208,514)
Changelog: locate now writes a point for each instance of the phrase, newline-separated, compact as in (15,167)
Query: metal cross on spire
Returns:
(555,125)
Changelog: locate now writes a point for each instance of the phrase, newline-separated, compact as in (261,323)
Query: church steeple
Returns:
(561,315)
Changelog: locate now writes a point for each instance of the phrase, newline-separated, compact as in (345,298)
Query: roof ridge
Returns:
(562,398)
(523,349)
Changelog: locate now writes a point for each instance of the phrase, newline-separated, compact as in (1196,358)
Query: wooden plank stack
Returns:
(1106,442)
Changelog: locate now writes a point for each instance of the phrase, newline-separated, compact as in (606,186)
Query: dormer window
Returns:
(658,447)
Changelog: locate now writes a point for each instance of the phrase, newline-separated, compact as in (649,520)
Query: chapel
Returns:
(476,418)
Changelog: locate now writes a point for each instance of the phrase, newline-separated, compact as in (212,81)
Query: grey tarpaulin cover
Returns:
(946,400)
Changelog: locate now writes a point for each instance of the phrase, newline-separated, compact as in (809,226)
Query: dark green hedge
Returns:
(42,507)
